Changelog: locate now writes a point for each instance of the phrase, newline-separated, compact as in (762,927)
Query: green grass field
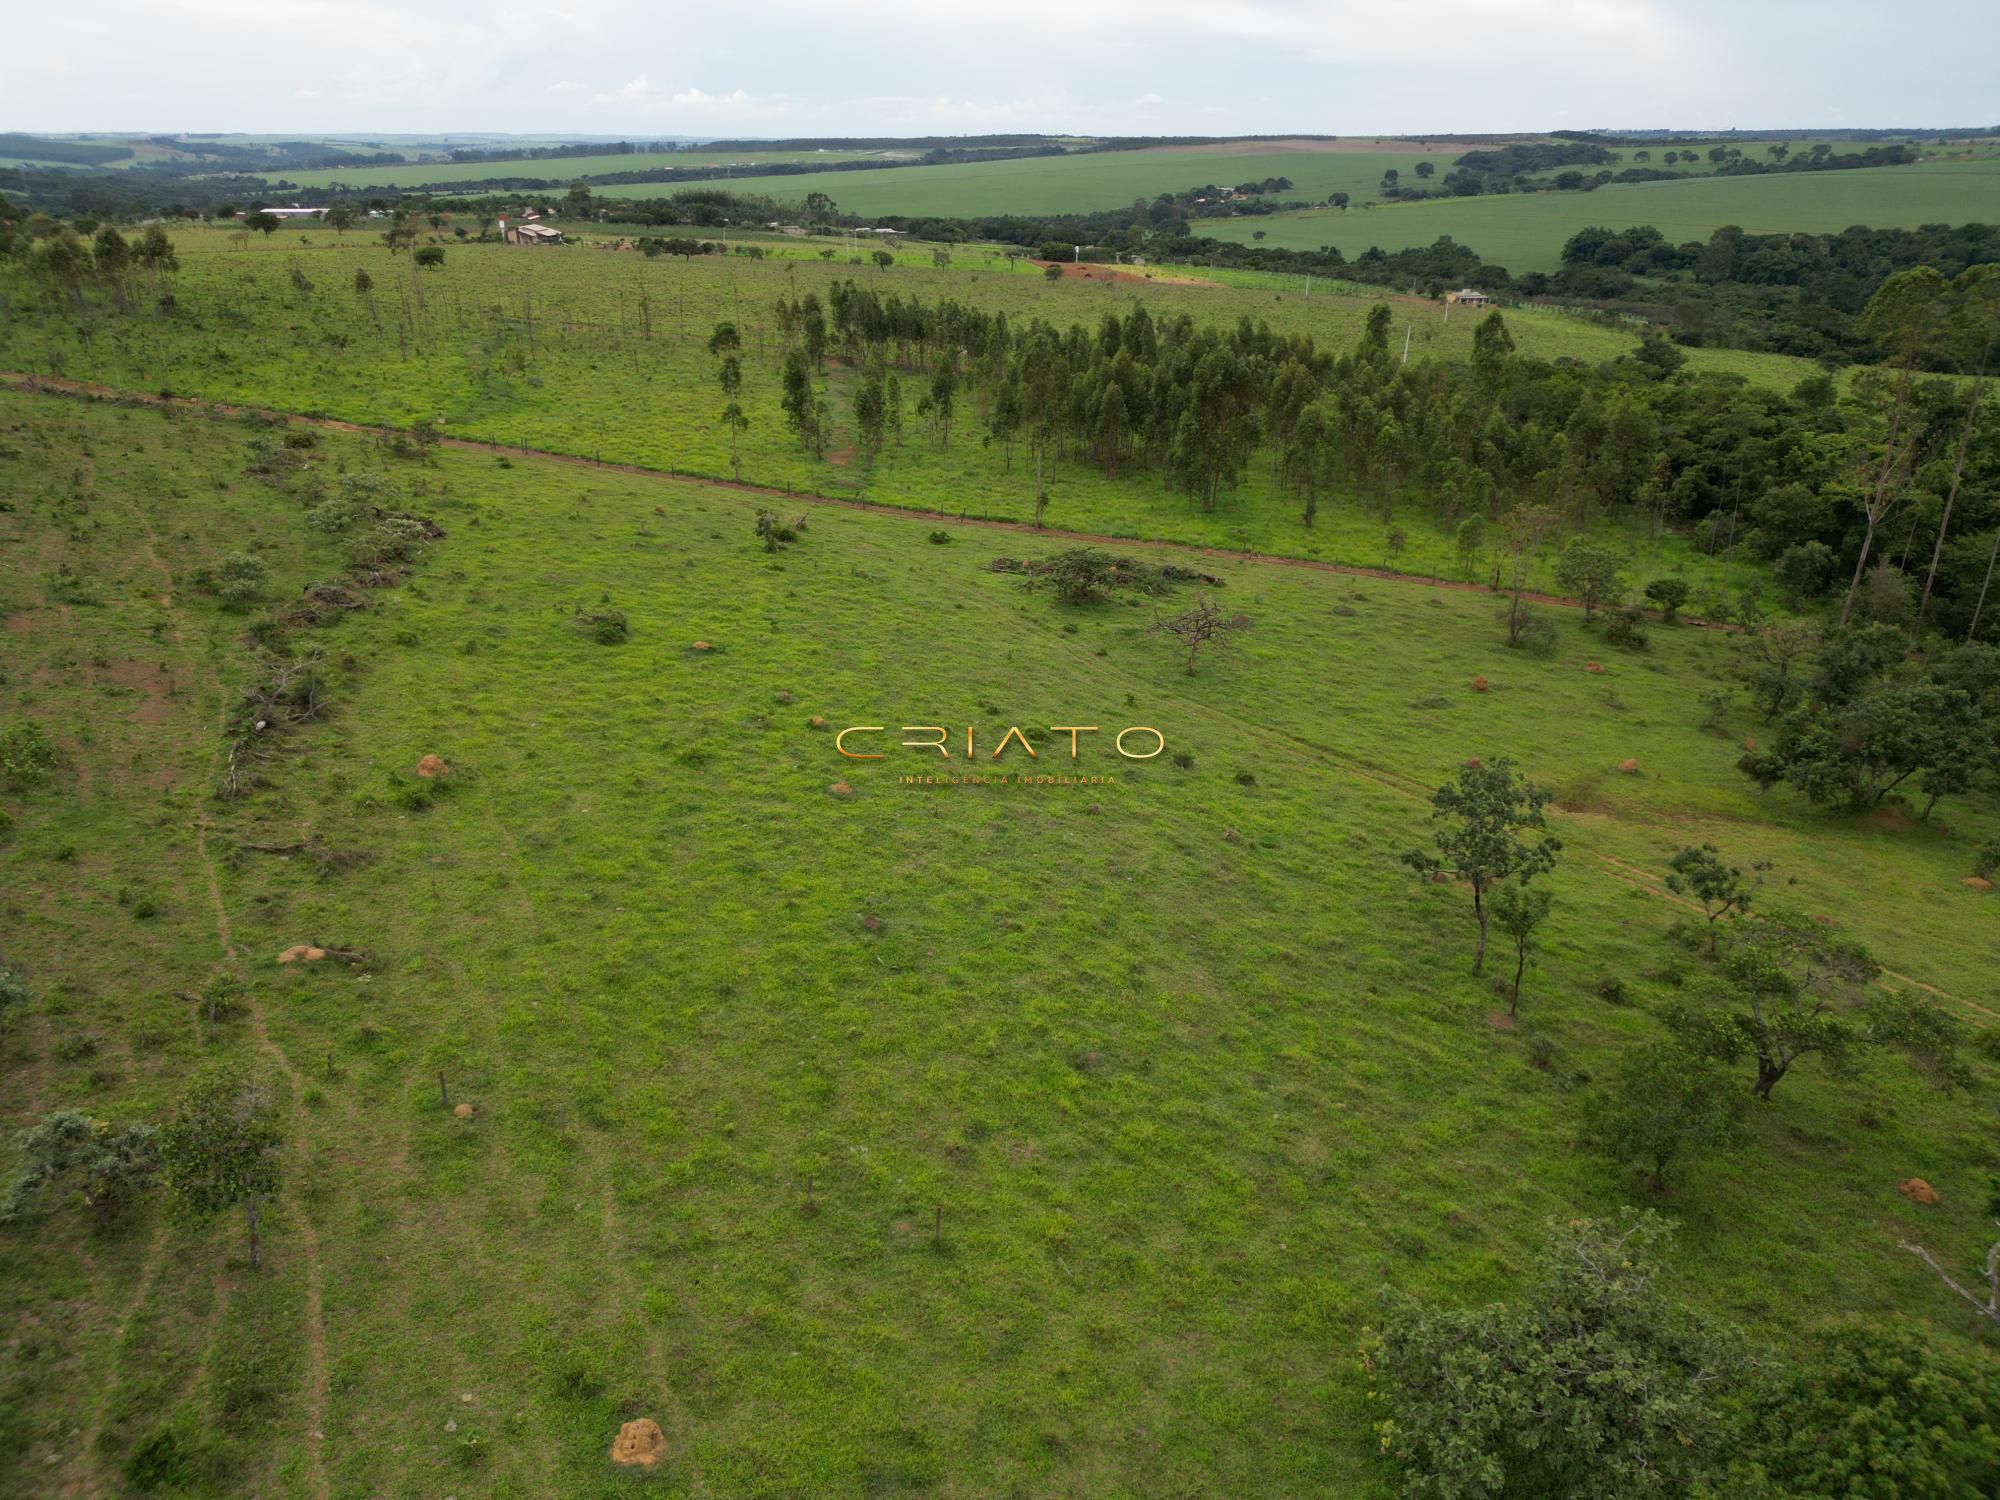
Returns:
(1526,231)
(597,383)
(1186,1066)
(1079,184)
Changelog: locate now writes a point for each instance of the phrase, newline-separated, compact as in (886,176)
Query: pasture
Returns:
(1526,231)
(602,353)
(967,1140)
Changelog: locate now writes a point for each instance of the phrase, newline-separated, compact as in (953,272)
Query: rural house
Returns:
(1467,297)
(531,234)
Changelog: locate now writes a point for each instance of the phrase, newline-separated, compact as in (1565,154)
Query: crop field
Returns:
(603,354)
(1096,181)
(560,172)
(1082,183)
(1037,1139)
(1526,231)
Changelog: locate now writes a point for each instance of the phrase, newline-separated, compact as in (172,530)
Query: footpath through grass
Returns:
(1186,1066)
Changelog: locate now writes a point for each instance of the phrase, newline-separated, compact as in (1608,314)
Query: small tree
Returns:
(1664,1103)
(1792,991)
(1591,1385)
(1484,815)
(883,260)
(1588,571)
(1470,540)
(221,1149)
(1517,911)
(1721,889)
(1670,594)
(737,424)
(109,1166)
(1197,627)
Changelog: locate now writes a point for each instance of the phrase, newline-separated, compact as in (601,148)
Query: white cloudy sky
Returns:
(806,67)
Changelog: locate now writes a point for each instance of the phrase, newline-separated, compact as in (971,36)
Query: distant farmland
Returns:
(1093,181)
(1086,182)
(560,171)
(1526,231)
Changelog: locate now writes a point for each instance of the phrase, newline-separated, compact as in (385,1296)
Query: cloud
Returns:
(1114,66)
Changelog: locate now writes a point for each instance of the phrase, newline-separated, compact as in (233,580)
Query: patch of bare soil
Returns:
(639,1443)
(302,953)
(432,765)
(148,680)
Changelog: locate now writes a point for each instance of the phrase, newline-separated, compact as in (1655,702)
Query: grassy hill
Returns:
(1526,231)
(620,368)
(1049,1139)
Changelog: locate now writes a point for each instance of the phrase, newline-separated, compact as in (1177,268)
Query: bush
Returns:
(1590,1383)
(429,255)
(27,756)
(608,628)
(1876,1413)
(1626,627)
(940,538)
(159,1463)
(1986,859)
(237,579)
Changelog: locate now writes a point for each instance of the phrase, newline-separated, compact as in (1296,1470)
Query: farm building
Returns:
(1467,297)
(531,234)
(294,213)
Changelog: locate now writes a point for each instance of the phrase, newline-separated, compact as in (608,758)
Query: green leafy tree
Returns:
(220,1151)
(1670,595)
(69,1151)
(1722,889)
(1792,989)
(1591,1385)
(1482,817)
(1518,911)
(264,223)
(1664,1104)
(1874,1413)
(1588,571)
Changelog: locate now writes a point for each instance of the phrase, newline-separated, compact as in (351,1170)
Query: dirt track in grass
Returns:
(53,385)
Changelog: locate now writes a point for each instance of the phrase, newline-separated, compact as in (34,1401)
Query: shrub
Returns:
(1184,760)
(608,628)
(109,1166)
(1082,575)
(429,255)
(1986,859)
(1626,627)
(1611,990)
(27,757)
(773,532)
(237,579)
(941,538)
(159,1463)
(1591,1383)
(1876,1412)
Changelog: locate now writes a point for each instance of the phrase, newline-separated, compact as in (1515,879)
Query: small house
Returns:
(531,234)
(1467,297)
